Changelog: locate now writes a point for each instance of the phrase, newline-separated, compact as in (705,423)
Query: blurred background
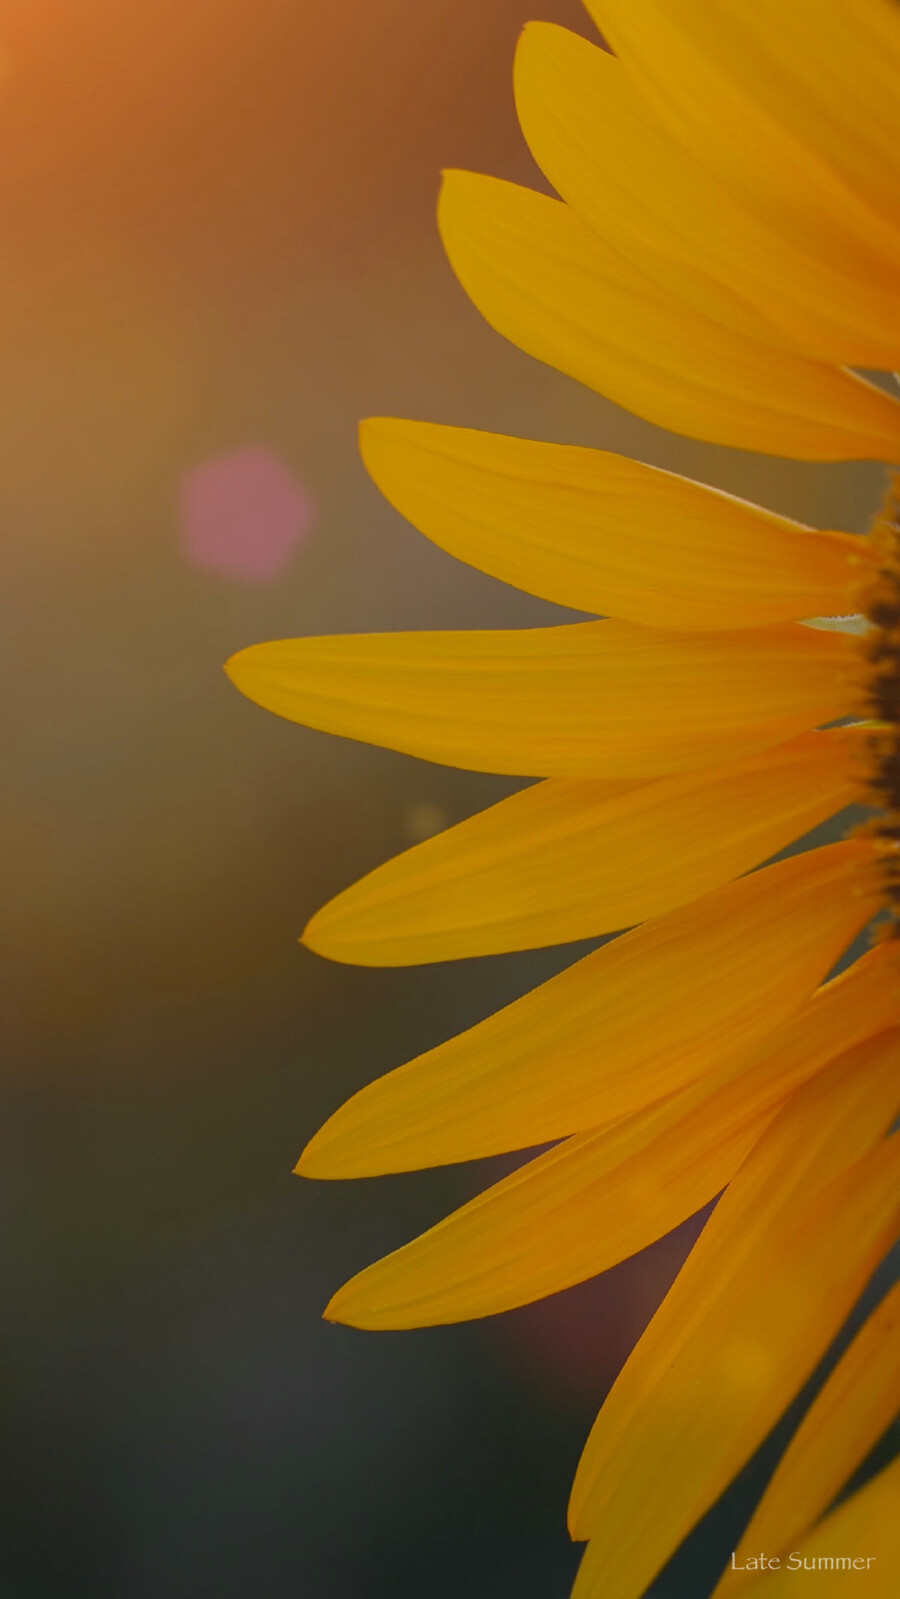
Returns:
(217,252)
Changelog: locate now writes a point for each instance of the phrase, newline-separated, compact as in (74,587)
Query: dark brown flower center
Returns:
(879,602)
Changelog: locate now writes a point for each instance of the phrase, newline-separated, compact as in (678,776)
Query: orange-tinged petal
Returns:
(601,1196)
(568,859)
(702,73)
(828,75)
(775,1271)
(599,699)
(801,97)
(594,137)
(602,533)
(831,80)
(543,279)
(844,1422)
(637,1019)
(855,1550)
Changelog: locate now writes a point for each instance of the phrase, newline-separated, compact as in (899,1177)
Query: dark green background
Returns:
(217,230)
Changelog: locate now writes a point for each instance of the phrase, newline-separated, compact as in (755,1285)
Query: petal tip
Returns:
(321,938)
(537,32)
(322,1159)
(331,1312)
(308,938)
(240,669)
(370,427)
(357,1304)
(310,1163)
(339,1310)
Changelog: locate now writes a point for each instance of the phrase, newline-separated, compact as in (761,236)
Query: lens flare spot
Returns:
(243,515)
(422,820)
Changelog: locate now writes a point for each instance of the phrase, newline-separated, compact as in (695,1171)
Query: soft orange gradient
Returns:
(217,233)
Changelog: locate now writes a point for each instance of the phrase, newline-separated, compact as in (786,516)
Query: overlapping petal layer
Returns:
(789,132)
(542,278)
(819,82)
(671,215)
(865,1530)
(602,533)
(601,1196)
(726,248)
(568,859)
(844,1422)
(599,699)
(775,1271)
(710,977)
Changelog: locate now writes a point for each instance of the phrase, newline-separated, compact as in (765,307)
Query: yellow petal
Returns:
(566,859)
(844,1422)
(831,81)
(601,533)
(590,132)
(601,1196)
(798,100)
(545,281)
(773,1275)
(637,1019)
(854,1551)
(598,699)
(703,72)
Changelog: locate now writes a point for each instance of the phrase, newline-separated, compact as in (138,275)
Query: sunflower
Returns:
(723,258)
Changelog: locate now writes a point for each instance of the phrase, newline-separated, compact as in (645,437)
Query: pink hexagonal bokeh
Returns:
(243,515)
